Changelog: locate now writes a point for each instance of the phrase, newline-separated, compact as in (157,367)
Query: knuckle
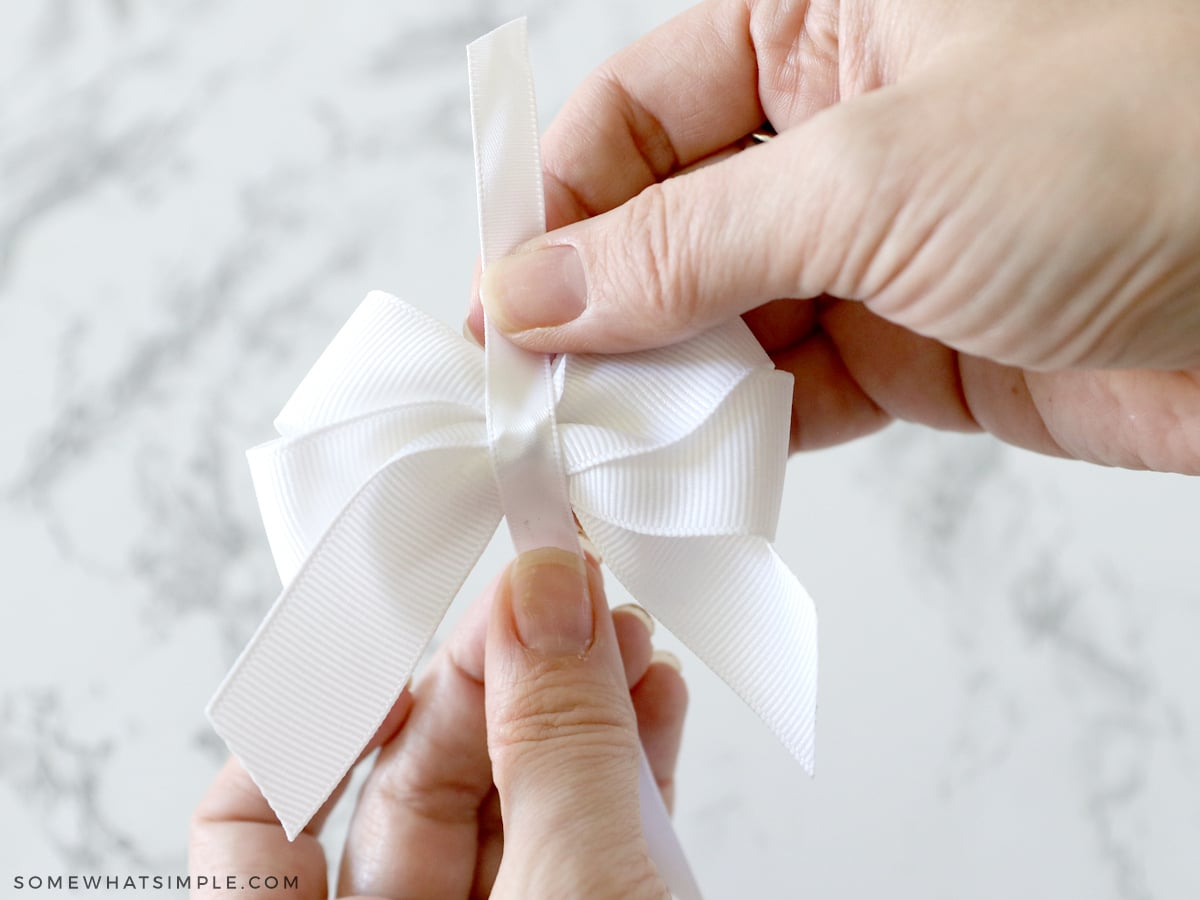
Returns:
(655,267)
(446,801)
(547,716)
(435,793)
(861,188)
(884,231)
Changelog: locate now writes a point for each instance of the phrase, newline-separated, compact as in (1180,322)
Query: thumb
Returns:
(562,735)
(796,217)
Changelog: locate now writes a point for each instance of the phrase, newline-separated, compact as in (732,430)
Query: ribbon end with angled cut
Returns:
(677,461)
(293,823)
(685,526)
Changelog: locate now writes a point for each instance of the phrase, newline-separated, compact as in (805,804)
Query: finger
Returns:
(235,832)
(414,830)
(917,379)
(682,92)
(473,329)
(908,376)
(809,213)
(562,733)
(1001,400)
(657,690)
(828,406)
(695,85)
(1133,418)
(634,628)
(660,701)
(782,323)
(491,846)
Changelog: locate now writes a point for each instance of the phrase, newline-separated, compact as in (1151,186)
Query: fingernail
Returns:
(469,334)
(637,612)
(551,607)
(667,658)
(590,549)
(535,289)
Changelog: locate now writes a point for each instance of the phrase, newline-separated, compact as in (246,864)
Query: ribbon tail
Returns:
(734,603)
(333,654)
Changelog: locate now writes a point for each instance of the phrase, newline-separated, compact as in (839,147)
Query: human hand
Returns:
(1010,192)
(510,770)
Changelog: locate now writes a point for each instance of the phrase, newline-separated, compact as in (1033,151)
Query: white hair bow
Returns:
(404,446)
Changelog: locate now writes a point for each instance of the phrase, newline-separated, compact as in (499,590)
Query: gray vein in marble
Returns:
(55,771)
(1104,683)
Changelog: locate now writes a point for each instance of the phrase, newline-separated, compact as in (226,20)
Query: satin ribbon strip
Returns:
(521,396)
(521,389)
(382,491)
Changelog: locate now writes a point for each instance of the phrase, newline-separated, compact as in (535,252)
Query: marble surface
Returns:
(193,197)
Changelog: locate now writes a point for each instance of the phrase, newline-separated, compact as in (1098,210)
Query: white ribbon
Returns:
(382,491)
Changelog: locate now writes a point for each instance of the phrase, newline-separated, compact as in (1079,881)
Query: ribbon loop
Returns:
(722,477)
(654,397)
(387,354)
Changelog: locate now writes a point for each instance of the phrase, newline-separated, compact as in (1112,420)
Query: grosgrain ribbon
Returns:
(402,447)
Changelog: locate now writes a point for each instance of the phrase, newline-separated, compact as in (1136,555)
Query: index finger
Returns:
(677,95)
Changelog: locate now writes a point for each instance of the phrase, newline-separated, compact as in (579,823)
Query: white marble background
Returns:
(193,197)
